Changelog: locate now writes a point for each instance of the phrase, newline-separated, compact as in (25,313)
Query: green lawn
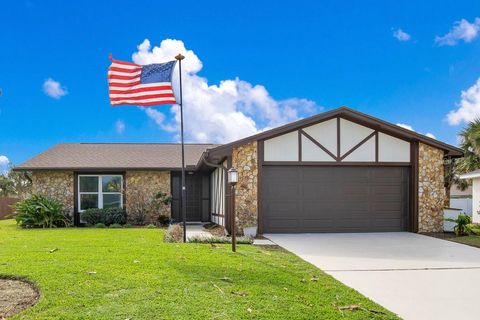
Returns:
(470,240)
(137,276)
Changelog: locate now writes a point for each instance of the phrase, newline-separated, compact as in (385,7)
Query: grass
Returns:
(132,274)
(469,240)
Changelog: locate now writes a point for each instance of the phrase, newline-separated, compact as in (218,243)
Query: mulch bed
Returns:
(440,235)
(16,295)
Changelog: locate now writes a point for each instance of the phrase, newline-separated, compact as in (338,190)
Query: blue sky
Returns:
(253,65)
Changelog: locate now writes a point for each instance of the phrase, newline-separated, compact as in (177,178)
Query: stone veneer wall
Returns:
(431,190)
(245,160)
(141,187)
(58,185)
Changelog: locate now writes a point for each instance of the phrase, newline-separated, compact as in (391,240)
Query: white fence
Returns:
(457,206)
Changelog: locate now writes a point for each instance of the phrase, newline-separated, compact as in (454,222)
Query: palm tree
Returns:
(470,143)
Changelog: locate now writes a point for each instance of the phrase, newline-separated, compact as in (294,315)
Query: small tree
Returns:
(14,183)
(461,221)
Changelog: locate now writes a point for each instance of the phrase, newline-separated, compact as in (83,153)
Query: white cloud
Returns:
(401,35)
(219,113)
(468,108)
(4,164)
(462,30)
(54,89)
(120,126)
(409,127)
(405,126)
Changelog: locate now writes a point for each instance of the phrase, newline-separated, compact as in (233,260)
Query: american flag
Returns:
(134,84)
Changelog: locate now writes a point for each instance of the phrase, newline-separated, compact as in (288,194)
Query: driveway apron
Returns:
(414,276)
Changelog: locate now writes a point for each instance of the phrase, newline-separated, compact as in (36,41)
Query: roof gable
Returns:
(347,114)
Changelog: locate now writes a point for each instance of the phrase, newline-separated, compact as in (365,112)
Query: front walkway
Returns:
(415,276)
(197,230)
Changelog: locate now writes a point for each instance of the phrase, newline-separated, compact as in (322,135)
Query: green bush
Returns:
(128,225)
(115,226)
(93,216)
(106,216)
(462,220)
(40,212)
(100,225)
(151,226)
(473,228)
(219,239)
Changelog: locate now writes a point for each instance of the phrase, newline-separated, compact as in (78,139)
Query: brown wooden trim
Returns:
(358,145)
(218,215)
(376,146)
(318,144)
(338,140)
(260,161)
(228,197)
(299,145)
(333,163)
(413,214)
(76,215)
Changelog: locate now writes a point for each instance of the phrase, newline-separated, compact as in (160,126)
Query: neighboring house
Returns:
(475,176)
(461,199)
(339,171)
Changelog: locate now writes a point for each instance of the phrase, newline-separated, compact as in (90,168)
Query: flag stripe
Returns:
(125,70)
(154,100)
(126,66)
(138,94)
(137,90)
(125,63)
(144,97)
(136,103)
(117,73)
(123,76)
(120,81)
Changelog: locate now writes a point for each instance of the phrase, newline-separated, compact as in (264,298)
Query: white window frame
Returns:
(100,192)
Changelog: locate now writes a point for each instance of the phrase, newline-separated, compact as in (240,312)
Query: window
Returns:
(100,191)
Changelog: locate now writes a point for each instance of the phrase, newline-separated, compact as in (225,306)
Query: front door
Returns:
(197,196)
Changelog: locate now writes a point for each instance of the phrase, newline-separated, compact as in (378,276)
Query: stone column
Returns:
(245,160)
(431,189)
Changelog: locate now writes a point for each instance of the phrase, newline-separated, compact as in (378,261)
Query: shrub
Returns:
(115,226)
(100,225)
(462,220)
(473,228)
(174,233)
(127,225)
(40,212)
(106,216)
(115,216)
(93,216)
(221,239)
(163,220)
(151,226)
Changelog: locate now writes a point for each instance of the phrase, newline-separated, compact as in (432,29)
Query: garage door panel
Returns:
(282,187)
(334,199)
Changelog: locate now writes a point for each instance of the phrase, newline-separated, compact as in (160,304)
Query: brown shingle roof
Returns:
(111,156)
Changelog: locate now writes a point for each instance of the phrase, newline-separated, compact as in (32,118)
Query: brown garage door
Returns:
(334,199)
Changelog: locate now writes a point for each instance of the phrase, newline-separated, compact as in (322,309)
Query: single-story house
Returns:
(475,204)
(338,171)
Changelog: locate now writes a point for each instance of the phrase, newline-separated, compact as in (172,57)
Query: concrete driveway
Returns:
(415,276)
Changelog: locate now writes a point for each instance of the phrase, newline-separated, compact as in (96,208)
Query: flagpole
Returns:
(183,199)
